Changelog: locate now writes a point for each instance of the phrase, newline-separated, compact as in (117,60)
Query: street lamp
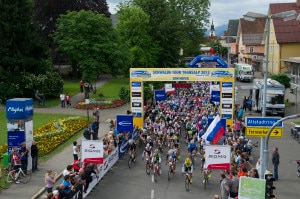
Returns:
(251,16)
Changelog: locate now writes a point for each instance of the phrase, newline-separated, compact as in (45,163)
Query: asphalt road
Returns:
(134,183)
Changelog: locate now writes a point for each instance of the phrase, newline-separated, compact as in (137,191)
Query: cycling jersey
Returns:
(132,147)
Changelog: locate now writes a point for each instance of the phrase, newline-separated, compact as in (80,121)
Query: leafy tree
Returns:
(134,29)
(89,41)
(282,79)
(21,50)
(124,93)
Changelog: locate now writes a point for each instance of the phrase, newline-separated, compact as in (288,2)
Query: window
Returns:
(251,49)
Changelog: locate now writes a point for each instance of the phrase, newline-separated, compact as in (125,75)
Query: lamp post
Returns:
(228,48)
(251,16)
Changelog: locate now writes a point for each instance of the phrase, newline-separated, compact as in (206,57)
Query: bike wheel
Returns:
(148,169)
(169,175)
(130,162)
(25,178)
(187,183)
(9,180)
(155,175)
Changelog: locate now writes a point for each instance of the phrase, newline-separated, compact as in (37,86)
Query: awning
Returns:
(275,92)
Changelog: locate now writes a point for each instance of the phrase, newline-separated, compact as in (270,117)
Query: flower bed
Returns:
(100,103)
(54,133)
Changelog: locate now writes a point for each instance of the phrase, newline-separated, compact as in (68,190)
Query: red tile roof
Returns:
(286,31)
(252,31)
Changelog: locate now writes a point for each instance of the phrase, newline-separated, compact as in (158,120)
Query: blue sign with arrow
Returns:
(160,95)
(262,121)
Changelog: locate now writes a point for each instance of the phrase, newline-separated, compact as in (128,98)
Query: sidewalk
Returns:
(35,188)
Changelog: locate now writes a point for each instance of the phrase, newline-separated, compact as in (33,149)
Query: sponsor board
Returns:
(226,101)
(226,111)
(136,104)
(227,90)
(262,132)
(217,157)
(160,95)
(136,89)
(226,95)
(227,84)
(226,106)
(136,110)
(92,151)
(215,96)
(19,108)
(124,123)
(136,94)
(136,99)
(227,116)
(136,84)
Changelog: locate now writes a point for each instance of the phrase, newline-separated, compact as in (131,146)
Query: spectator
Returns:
(23,154)
(249,102)
(15,163)
(243,172)
(87,132)
(61,192)
(216,197)
(95,129)
(34,154)
(87,175)
(62,100)
(234,185)
(96,113)
(66,181)
(275,162)
(55,194)
(224,187)
(245,103)
(68,100)
(81,86)
(50,179)
(76,165)
(38,96)
(76,149)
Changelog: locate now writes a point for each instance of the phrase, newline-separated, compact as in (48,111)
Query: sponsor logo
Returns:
(226,111)
(226,95)
(136,99)
(136,104)
(28,108)
(227,90)
(227,84)
(136,109)
(125,123)
(226,101)
(217,151)
(227,116)
(140,73)
(221,73)
(105,165)
(159,95)
(217,156)
(136,94)
(112,157)
(92,146)
(14,110)
(226,106)
(216,96)
(123,147)
(136,88)
(136,84)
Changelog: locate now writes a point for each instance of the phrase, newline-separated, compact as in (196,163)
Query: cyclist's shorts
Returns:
(187,169)
(17,167)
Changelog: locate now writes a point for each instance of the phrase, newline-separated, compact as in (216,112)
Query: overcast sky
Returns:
(223,10)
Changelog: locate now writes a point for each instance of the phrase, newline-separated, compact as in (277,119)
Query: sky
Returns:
(224,10)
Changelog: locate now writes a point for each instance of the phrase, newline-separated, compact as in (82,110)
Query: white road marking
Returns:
(152,176)
(152,194)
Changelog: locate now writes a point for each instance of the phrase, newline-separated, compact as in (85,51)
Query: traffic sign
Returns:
(262,121)
(262,132)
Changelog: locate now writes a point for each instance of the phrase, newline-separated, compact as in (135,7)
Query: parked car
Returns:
(295,132)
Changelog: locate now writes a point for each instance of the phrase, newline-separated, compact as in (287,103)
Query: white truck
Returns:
(243,72)
(275,97)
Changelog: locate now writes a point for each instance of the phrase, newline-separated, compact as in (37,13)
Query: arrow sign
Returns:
(276,132)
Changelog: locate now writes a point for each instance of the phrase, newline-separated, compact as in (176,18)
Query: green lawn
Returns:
(111,88)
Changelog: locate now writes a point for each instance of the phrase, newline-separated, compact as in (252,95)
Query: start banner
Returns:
(217,157)
(92,151)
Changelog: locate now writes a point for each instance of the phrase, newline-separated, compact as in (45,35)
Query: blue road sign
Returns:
(262,121)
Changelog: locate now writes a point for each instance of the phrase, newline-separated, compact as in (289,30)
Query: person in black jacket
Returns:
(34,155)
(87,175)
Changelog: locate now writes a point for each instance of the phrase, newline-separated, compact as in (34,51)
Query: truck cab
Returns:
(243,72)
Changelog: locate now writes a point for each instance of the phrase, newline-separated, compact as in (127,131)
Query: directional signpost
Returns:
(259,127)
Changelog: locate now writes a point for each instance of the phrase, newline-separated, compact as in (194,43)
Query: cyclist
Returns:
(172,157)
(147,151)
(132,148)
(192,146)
(187,167)
(156,160)
(16,164)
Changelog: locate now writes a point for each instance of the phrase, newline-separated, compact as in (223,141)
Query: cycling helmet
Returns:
(147,145)
(188,162)
(148,137)
(130,141)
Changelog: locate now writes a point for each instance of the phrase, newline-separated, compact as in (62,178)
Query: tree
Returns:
(282,79)
(89,41)
(134,30)
(21,50)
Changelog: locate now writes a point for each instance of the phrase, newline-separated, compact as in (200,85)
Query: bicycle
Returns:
(19,176)
(148,166)
(206,176)
(171,170)
(155,172)
(131,160)
(187,181)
